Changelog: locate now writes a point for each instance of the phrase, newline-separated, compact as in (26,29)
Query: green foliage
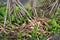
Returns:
(54,27)
(7,25)
(34,32)
(58,9)
(1,19)
(19,34)
(13,17)
(57,15)
(17,8)
(40,14)
(2,11)
(30,12)
(13,28)
(53,22)
(42,36)
(21,20)
(29,35)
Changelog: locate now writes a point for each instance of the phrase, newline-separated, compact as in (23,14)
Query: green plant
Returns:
(13,28)
(34,33)
(54,27)
(42,36)
(17,8)
(56,15)
(58,9)
(2,11)
(21,20)
(40,14)
(13,17)
(20,36)
(1,19)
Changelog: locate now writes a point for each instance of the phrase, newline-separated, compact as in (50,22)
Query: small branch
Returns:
(34,8)
(54,7)
(23,9)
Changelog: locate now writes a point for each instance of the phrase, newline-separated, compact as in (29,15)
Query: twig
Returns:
(55,4)
(34,8)
(21,7)
(6,13)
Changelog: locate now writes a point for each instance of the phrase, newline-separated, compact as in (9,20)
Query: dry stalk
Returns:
(6,13)
(54,7)
(22,8)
